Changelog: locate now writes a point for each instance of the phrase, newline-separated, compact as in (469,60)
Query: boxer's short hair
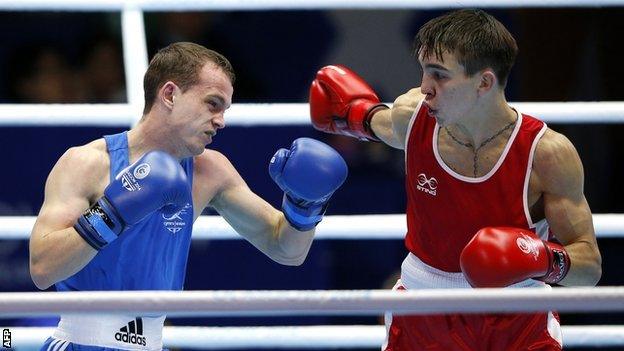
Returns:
(180,63)
(477,40)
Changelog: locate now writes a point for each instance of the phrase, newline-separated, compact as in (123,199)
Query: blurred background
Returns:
(63,57)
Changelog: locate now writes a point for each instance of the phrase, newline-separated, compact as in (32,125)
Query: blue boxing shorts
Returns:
(53,344)
(106,332)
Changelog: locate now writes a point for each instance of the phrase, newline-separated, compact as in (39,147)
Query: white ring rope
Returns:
(355,227)
(135,58)
(273,114)
(182,5)
(307,337)
(316,302)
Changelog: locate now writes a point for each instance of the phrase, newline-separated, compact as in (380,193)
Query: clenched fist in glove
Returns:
(156,181)
(501,256)
(308,173)
(342,103)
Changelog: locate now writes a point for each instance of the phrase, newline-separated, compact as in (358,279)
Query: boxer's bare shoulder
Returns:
(212,174)
(213,168)
(402,111)
(557,167)
(82,168)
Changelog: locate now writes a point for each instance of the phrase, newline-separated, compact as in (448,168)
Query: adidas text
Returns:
(130,338)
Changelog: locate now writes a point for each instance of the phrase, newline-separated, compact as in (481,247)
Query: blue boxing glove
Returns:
(154,181)
(308,173)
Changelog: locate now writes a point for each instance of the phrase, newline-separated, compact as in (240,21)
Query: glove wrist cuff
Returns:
(301,215)
(360,116)
(558,263)
(100,224)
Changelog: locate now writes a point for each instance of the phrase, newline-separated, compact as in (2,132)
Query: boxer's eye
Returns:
(438,76)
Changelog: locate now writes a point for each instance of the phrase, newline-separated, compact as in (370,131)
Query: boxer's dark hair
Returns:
(477,40)
(180,63)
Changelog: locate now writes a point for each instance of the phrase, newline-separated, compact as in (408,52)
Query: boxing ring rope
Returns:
(309,337)
(332,302)
(354,227)
(272,114)
(135,62)
(182,5)
(275,303)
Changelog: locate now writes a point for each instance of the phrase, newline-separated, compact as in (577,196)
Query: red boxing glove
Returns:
(501,256)
(342,103)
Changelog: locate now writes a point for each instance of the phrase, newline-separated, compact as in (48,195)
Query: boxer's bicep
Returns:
(250,215)
(263,226)
(560,173)
(66,194)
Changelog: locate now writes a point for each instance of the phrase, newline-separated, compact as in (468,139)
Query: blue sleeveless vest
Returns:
(150,255)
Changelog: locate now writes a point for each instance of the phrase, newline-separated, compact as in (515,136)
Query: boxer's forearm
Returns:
(586,265)
(57,255)
(291,245)
(381,124)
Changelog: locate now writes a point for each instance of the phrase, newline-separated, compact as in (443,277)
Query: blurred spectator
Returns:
(43,75)
(170,27)
(274,53)
(103,73)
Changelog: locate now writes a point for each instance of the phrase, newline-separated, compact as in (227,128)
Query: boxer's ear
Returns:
(487,81)
(167,93)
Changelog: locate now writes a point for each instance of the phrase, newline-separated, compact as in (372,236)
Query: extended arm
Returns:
(308,173)
(262,225)
(341,102)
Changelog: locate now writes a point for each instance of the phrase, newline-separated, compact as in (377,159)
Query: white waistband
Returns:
(114,331)
(415,274)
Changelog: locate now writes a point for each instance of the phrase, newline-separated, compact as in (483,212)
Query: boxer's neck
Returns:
(488,121)
(147,136)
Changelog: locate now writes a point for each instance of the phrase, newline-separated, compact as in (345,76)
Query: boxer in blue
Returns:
(145,187)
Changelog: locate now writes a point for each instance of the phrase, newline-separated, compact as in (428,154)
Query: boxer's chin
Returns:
(441,121)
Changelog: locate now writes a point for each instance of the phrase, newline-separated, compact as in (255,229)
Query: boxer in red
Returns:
(495,197)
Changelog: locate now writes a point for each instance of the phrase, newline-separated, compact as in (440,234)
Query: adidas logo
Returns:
(132,333)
